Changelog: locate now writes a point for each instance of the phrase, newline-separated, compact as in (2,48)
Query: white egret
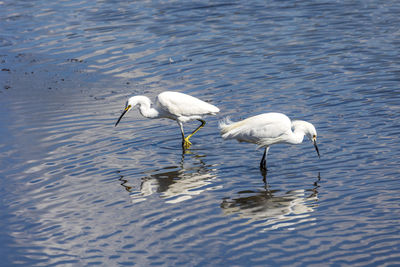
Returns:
(175,106)
(268,129)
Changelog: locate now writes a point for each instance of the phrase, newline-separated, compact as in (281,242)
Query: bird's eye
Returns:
(314,136)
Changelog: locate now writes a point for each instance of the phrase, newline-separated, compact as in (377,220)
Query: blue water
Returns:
(77,191)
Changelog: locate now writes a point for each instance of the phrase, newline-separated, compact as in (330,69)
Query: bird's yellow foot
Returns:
(186,144)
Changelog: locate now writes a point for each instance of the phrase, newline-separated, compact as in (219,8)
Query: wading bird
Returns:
(175,106)
(268,129)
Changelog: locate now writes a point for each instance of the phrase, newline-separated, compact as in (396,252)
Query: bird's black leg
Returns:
(183,140)
(263,162)
(183,143)
(264,175)
(184,146)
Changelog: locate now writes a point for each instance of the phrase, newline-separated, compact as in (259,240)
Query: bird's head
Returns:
(311,133)
(131,103)
(309,130)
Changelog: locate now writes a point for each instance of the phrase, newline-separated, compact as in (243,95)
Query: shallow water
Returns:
(75,190)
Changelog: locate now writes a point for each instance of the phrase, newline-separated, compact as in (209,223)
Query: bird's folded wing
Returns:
(184,105)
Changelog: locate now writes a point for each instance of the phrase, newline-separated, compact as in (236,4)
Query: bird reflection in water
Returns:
(174,183)
(272,209)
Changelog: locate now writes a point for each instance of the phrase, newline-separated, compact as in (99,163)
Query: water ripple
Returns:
(78,191)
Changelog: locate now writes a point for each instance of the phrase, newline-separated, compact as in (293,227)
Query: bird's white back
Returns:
(180,104)
(261,129)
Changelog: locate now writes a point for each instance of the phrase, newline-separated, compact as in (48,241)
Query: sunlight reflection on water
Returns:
(174,184)
(272,209)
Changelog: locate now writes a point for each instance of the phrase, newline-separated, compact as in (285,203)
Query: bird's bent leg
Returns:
(195,131)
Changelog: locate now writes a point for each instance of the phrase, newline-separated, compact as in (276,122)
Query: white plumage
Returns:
(175,106)
(268,129)
(184,107)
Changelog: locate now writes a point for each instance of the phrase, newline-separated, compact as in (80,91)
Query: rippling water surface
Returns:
(75,190)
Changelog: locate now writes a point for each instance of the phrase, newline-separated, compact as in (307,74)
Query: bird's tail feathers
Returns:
(225,125)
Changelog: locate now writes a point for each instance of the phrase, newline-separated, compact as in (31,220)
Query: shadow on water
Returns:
(174,183)
(272,208)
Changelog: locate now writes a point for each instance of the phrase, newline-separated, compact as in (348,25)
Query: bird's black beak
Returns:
(123,113)
(316,147)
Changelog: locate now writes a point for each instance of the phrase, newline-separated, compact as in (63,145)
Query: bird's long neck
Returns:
(146,110)
(297,136)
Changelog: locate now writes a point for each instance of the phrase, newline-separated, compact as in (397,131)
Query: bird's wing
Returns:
(258,129)
(180,104)
(272,125)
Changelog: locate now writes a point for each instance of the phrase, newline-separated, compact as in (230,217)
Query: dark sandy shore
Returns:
(26,77)
(26,73)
